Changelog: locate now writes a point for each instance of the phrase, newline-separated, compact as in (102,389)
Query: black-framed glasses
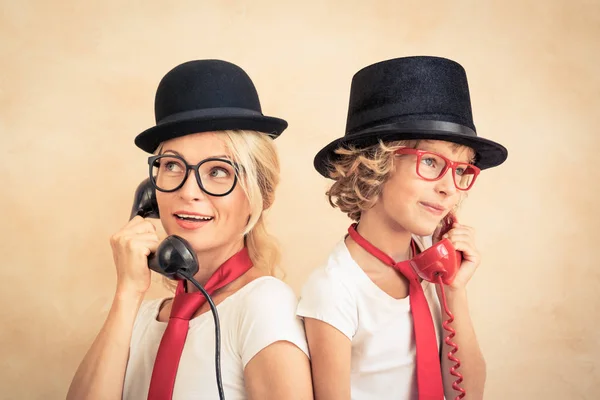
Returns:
(433,166)
(215,176)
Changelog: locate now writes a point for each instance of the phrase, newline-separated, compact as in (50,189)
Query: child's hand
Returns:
(463,239)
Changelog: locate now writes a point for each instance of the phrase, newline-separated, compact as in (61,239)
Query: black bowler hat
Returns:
(202,96)
(406,98)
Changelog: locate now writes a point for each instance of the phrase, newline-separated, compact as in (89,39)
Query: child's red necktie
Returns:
(429,372)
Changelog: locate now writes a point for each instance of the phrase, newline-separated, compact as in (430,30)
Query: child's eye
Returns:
(460,171)
(429,161)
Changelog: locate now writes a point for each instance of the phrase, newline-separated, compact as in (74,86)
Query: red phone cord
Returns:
(450,343)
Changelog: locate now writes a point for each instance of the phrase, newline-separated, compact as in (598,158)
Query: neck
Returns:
(386,235)
(209,261)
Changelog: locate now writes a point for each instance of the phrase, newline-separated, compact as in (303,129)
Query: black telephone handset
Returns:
(174,255)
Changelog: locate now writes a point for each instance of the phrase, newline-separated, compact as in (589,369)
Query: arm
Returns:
(329,309)
(279,371)
(330,352)
(102,372)
(272,344)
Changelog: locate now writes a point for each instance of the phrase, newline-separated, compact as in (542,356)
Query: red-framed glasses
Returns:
(432,167)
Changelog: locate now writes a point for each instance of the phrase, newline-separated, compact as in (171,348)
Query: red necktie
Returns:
(183,308)
(429,372)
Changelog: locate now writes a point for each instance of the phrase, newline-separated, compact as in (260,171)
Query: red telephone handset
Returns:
(439,264)
(439,260)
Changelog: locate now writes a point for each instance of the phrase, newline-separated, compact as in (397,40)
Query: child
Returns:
(409,155)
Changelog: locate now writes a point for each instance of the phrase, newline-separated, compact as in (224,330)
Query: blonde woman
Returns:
(215,171)
(409,156)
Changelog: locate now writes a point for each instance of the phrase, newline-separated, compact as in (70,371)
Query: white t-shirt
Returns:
(379,326)
(257,315)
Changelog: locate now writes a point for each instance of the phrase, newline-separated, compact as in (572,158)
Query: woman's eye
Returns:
(171,166)
(219,173)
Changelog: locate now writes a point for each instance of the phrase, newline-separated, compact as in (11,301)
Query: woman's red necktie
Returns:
(183,308)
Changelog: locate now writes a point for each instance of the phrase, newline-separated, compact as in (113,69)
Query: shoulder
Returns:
(267,294)
(338,276)
(330,293)
(267,309)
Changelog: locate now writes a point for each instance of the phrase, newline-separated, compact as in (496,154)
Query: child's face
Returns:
(417,205)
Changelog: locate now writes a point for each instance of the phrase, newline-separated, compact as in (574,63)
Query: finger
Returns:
(469,251)
(132,241)
(156,224)
(142,226)
(460,227)
(146,246)
(134,221)
(149,247)
(145,228)
(150,236)
(460,236)
(139,237)
(463,229)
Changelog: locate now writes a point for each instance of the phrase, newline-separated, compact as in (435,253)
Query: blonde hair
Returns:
(258,175)
(257,156)
(360,173)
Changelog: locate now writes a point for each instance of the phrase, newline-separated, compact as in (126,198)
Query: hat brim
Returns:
(488,153)
(151,138)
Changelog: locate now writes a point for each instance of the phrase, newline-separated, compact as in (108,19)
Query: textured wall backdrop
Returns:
(77,83)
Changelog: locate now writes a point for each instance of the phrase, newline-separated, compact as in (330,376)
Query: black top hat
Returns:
(411,98)
(206,95)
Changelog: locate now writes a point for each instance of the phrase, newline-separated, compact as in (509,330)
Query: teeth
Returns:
(197,217)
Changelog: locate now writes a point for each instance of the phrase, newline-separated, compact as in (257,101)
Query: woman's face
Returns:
(407,201)
(207,222)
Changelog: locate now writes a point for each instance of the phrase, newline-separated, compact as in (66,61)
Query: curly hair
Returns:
(359,175)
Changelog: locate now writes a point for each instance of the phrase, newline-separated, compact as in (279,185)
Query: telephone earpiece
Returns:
(441,259)
(174,254)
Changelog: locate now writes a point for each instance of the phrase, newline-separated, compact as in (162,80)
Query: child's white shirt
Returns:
(379,326)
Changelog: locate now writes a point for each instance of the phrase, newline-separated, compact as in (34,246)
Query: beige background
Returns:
(77,83)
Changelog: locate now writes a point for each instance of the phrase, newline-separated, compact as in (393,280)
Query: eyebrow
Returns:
(455,148)
(181,155)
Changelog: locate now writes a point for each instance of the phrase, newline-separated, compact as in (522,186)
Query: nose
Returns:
(190,191)
(445,185)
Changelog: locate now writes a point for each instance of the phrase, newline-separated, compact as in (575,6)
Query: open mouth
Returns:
(194,218)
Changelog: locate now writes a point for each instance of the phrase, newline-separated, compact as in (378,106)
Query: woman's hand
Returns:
(131,247)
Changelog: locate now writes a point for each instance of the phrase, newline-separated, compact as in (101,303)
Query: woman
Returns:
(215,171)
(373,328)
